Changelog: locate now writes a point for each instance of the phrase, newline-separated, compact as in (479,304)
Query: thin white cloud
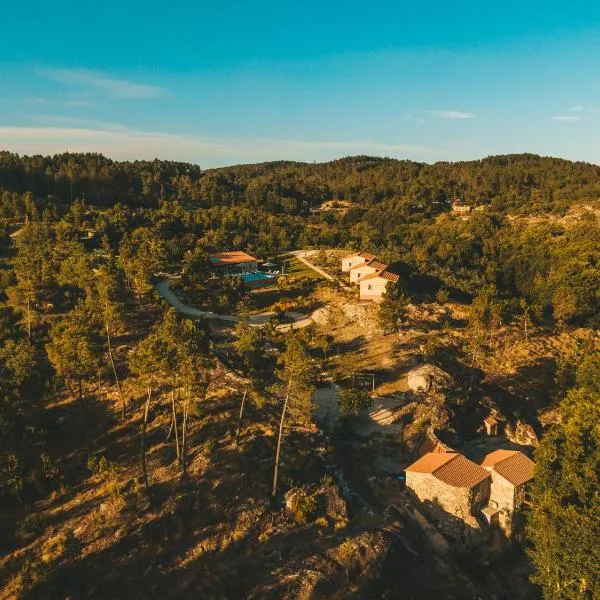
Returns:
(129,144)
(46,120)
(583,109)
(565,118)
(450,114)
(35,100)
(117,87)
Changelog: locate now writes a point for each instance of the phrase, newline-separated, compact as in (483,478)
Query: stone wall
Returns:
(456,501)
(502,493)
(480,494)
(508,498)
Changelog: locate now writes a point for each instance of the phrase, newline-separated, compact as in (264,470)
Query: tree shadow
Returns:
(354,345)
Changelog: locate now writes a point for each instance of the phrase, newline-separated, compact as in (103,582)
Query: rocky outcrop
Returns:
(521,433)
(324,501)
(428,378)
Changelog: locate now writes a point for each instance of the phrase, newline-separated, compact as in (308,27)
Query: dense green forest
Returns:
(526,183)
(399,210)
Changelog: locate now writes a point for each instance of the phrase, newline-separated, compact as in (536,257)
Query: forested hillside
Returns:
(526,183)
(131,465)
(399,210)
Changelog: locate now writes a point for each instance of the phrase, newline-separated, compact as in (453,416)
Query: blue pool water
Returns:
(249,277)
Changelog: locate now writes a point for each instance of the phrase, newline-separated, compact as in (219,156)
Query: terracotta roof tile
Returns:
(384,275)
(461,472)
(231,258)
(431,461)
(390,276)
(364,255)
(513,465)
(378,265)
(493,457)
(361,266)
(450,468)
(370,276)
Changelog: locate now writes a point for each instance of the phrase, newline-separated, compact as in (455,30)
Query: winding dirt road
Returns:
(164,289)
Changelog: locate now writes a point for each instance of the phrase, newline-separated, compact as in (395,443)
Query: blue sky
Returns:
(230,81)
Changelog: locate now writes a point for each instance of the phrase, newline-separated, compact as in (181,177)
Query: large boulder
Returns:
(428,378)
(521,433)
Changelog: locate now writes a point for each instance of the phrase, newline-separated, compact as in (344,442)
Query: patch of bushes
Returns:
(32,525)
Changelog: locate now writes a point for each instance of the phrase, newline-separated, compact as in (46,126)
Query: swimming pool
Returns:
(255,276)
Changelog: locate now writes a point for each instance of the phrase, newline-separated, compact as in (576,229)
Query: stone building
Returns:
(450,485)
(510,471)
(491,425)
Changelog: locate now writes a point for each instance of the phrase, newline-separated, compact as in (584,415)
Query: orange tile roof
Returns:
(498,455)
(231,258)
(384,275)
(431,461)
(371,276)
(450,468)
(513,465)
(390,276)
(362,265)
(461,472)
(378,265)
(364,255)
(491,420)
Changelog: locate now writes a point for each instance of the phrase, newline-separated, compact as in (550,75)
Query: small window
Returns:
(370,287)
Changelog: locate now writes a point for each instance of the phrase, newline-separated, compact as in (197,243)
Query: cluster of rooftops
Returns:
(456,470)
(379,268)
(372,275)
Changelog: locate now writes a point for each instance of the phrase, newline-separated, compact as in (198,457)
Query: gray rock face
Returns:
(427,378)
(521,433)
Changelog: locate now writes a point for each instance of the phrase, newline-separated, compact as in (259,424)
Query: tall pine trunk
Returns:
(175,424)
(143,445)
(279,440)
(240,417)
(114,370)
(184,436)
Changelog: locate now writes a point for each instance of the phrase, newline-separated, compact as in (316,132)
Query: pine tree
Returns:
(564,523)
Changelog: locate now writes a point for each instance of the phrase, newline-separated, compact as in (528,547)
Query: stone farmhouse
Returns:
(452,486)
(233,262)
(370,274)
(510,471)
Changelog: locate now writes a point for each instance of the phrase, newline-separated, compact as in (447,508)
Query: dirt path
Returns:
(164,289)
(301,256)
